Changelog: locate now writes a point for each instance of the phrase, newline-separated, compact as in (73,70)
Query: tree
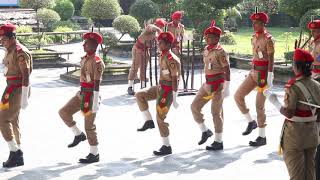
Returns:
(126,25)
(297,8)
(65,9)
(144,10)
(48,17)
(77,6)
(267,6)
(200,10)
(125,5)
(37,4)
(101,9)
(168,6)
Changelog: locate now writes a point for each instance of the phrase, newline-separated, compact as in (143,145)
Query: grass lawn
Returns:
(284,40)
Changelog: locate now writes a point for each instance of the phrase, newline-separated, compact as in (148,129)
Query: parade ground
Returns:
(127,154)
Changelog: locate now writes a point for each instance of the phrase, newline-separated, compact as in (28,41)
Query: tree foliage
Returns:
(65,9)
(144,10)
(297,8)
(101,9)
(37,4)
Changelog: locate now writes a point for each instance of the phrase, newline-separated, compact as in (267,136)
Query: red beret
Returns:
(93,35)
(6,28)
(314,24)
(260,16)
(213,29)
(160,22)
(301,55)
(177,15)
(166,36)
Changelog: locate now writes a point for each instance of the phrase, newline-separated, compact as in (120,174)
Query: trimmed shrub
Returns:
(48,17)
(101,9)
(69,24)
(144,10)
(65,9)
(228,39)
(126,24)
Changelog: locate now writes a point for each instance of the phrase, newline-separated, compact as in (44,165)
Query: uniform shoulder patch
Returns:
(172,56)
(19,48)
(98,59)
(268,35)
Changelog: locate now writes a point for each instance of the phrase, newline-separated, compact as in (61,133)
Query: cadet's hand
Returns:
(226,91)
(175,103)
(95,102)
(24,97)
(270,79)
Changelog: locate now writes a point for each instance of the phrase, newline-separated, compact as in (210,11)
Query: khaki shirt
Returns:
(17,58)
(315,51)
(177,31)
(262,48)
(91,68)
(169,66)
(293,94)
(215,60)
(149,34)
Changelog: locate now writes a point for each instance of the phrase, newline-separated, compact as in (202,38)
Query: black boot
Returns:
(260,141)
(77,140)
(147,125)
(131,91)
(205,136)
(215,146)
(164,150)
(251,126)
(90,159)
(15,159)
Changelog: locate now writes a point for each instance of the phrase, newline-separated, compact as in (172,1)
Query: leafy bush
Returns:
(228,39)
(37,4)
(24,29)
(64,8)
(110,39)
(297,8)
(63,38)
(144,10)
(48,17)
(126,24)
(69,24)
(101,9)
(306,18)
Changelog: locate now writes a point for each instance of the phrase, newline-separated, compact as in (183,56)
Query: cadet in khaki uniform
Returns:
(314,27)
(17,69)
(177,29)
(260,77)
(87,99)
(165,92)
(299,137)
(139,61)
(217,71)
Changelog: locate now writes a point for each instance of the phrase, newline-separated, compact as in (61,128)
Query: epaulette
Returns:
(98,59)
(290,83)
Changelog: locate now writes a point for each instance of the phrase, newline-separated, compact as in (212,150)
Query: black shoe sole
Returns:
(14,165)
(209,148)
(156,153)
(87,162)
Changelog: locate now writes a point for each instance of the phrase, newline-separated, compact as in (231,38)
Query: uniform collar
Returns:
(263,32)
(164,52)
(299,76)
(216,47)
(90,55)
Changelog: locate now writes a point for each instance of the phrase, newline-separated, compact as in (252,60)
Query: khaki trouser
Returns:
(151,94)
(9,118)
(72,107)
(299,147)
(139,61)
(245,88)
(216,107)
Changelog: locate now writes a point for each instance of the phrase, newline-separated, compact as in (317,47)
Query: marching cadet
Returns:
(17,69)
(139,61)
(299,137)
(314,27)
(217,71)
(165,93)
(87,99)
(260,76)
(177,29)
